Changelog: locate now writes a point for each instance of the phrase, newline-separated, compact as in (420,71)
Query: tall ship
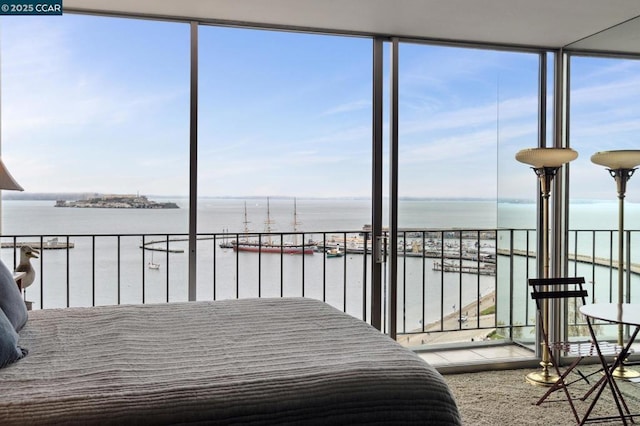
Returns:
(268,245)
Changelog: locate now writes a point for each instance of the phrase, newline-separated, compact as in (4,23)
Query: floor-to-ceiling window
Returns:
(604,111)
(463,114)
(284,124)
(95,105)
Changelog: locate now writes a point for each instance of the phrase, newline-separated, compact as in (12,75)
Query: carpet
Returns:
(504,398)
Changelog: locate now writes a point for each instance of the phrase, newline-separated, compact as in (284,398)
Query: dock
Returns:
(46,245)
(164,250)
(465,269)
(600,261)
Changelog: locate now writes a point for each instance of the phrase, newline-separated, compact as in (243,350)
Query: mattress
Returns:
(247,362)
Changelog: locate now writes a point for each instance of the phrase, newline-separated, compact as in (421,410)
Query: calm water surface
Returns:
(343,282)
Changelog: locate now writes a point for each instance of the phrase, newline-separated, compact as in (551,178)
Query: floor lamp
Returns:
(545,163)
(621,164)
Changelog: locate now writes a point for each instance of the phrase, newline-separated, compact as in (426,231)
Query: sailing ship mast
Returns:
(295,222)
(152,264)
(246,221)
(267,246)
(267,223)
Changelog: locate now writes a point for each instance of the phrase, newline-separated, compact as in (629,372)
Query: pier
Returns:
(52,244)
(580,258)
(484,269)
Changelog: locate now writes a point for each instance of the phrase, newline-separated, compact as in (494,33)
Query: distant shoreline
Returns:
(83,195)
(69,196)
(451,333)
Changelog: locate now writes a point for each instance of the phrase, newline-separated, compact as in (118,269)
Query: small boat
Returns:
(335,252)
(152,264)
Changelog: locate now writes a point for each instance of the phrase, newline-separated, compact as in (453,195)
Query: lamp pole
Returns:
(621,165)
(545,175)
(545,163)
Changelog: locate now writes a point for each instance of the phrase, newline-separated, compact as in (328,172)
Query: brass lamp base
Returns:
(621,372)
(542,378)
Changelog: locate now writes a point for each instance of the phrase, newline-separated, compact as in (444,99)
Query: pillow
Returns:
(9,350)
(11,302)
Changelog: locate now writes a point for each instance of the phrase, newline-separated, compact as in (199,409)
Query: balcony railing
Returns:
(469,281)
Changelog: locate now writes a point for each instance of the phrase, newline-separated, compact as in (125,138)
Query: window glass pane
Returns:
(464,113)
(604,117)
(284,125)
(95,105)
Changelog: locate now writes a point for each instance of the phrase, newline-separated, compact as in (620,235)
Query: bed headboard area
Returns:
(248,361)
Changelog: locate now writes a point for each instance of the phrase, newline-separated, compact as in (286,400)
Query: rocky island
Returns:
(117,202)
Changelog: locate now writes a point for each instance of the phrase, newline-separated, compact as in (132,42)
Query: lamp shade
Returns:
(546,157)
(620,159)
(6,180)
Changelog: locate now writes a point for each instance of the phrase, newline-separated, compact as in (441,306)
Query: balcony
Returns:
(462,298)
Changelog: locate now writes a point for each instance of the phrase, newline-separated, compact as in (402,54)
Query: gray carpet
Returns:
(500,398)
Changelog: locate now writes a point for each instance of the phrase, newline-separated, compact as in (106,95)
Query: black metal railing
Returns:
(448,280)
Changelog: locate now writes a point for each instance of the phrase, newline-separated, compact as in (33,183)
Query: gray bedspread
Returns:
(249,361)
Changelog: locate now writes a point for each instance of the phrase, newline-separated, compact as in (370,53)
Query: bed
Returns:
(249,361)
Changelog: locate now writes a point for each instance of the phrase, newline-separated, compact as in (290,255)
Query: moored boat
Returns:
(256,247)
(268,245)
(152,264)
(335,252)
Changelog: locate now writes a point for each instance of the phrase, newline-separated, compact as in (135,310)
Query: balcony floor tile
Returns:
(486,355)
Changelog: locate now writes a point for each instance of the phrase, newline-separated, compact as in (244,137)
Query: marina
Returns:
(108,264)
(458,246)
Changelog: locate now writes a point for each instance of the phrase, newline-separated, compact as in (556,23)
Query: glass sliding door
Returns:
(604,109)
(463,114)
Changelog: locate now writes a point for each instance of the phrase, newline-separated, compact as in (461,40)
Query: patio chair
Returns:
(547,289)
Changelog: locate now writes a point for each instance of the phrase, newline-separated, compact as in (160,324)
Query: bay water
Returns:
(94,278)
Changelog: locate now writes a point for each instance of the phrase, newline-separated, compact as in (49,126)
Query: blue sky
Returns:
(101,105)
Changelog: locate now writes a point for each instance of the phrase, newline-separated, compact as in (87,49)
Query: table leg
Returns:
(608,378)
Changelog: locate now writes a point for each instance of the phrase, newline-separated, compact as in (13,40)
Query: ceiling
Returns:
(590,26)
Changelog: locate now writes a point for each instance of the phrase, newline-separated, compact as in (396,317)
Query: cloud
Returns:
(75,116)
(348,107)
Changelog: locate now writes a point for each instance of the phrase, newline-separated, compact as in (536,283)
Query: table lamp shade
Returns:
(6,180)
(619,159)
(546,157)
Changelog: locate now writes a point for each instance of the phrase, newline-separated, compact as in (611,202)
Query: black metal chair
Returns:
(544,290)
